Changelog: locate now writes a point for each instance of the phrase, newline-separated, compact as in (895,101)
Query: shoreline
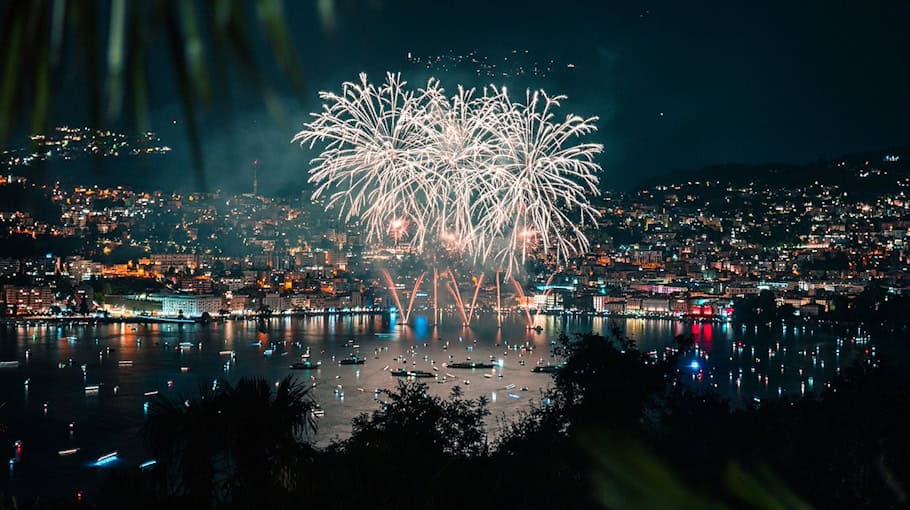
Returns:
(43,319)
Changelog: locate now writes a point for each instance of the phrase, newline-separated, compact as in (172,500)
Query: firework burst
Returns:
(474,173)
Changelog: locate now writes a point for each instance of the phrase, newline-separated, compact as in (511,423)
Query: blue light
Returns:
(147,464)
(106,459)
(421,327)
(694,365)
(555,287)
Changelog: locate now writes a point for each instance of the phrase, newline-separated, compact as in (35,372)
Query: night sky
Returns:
(677,85)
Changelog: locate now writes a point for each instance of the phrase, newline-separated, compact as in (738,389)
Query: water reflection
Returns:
(46,393)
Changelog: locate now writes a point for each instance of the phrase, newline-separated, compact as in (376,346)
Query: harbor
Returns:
(74,394)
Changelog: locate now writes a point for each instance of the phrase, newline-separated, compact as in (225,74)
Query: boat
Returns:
(106,459)
(174,320)
(471,364)
(304,365)
(411,373)
(351,361)
(545,369)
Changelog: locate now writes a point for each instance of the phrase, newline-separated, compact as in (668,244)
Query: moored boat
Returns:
(471,364)
(304,365)
(412,373)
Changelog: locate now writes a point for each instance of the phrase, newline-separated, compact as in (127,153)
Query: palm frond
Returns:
(113,49)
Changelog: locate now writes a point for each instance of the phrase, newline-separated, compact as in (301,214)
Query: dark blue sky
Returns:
(745,82)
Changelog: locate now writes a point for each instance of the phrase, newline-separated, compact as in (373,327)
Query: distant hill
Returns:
(867,171)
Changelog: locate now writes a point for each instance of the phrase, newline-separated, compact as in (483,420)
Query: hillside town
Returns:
(692,248)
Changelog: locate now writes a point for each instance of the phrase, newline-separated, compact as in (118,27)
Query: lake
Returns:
(46,404)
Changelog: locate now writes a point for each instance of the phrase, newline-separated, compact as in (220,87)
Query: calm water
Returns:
(45,403)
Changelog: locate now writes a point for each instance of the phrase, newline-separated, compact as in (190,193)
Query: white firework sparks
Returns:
(474,173)
(373,163)
(544,182)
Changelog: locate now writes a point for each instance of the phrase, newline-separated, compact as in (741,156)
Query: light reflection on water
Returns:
(742,363)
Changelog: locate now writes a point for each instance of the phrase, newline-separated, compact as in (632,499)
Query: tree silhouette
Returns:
(235,443)
(414,424)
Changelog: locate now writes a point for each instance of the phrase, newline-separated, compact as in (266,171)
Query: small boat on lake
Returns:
(412,373)
(471,364)
(304,365)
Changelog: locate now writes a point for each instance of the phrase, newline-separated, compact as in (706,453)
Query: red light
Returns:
(708,311)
